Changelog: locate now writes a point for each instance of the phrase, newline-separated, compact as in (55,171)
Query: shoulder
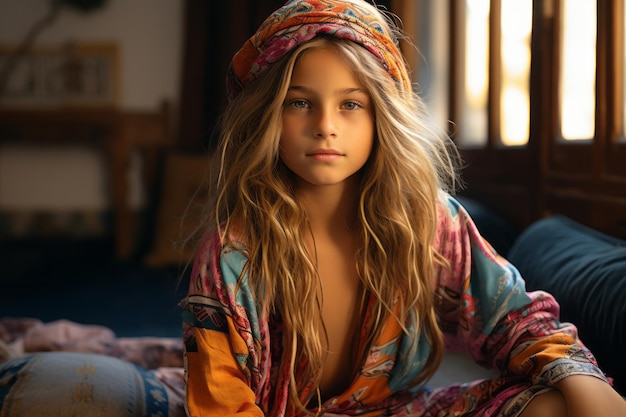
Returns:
(451,215)
(216,263)
(214,247)
(457,237)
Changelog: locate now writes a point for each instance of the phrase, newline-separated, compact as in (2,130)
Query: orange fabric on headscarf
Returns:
(299,21)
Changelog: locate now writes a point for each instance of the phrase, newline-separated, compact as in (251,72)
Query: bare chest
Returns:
(340,312)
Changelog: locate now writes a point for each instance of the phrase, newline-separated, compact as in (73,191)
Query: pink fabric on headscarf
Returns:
(299,21)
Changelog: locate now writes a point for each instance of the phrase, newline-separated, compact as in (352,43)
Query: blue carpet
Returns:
(82,282)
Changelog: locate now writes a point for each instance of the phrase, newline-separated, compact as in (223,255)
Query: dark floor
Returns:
(80,280)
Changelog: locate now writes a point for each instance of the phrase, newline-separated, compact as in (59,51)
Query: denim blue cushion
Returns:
(586,272)
(61,384)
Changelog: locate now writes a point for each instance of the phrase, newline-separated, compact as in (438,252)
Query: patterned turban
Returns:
(299,21)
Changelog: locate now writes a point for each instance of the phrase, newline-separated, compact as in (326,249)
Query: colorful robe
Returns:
(233,354)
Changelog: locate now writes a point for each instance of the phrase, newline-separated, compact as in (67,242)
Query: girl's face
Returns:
(328,120)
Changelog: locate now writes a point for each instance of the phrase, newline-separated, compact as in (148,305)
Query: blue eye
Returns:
(351,105)
(299,104)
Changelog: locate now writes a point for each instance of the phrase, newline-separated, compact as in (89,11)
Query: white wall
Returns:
(149,35)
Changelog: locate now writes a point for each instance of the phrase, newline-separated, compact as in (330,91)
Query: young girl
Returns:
(336,268)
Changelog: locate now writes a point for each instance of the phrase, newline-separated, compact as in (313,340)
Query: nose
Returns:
(325,123)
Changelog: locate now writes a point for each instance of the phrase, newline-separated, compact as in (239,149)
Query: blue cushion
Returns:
(61,384)
(586,272)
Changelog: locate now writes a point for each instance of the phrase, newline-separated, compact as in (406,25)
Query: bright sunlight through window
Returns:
(474,125)
(516,29)
(578,69)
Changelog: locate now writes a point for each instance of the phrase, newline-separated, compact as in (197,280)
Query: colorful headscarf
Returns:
(299,21)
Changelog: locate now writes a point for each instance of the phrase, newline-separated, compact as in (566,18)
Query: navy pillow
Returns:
(585,270)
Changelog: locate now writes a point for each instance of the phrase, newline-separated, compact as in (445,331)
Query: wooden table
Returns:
(118,132)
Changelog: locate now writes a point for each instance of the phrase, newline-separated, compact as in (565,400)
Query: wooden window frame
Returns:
(585,180)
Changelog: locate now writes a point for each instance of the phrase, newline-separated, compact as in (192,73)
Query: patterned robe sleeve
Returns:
(485,310)
(219,337)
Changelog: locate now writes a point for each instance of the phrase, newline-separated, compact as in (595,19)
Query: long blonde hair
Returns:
(256,210)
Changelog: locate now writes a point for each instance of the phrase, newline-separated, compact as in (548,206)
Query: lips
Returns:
(325,152)
(325,155)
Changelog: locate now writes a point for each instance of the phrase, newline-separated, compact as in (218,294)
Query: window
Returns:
(535,97)
(475,79)
(577,69)
(486,58)
(516,29)
(492,51)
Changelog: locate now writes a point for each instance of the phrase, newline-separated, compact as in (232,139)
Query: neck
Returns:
(332,208)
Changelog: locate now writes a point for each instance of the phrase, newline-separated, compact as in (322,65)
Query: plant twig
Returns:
(13,59)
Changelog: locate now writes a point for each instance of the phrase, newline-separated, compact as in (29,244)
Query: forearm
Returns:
(587,395)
